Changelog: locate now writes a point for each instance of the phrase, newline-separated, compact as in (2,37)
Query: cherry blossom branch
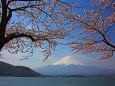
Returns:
(29,6)
(104,37)
(25,7)
(33,38)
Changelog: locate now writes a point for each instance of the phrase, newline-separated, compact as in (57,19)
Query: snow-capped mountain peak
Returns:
(67,61)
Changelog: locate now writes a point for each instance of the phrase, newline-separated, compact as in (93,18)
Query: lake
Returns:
(55,81)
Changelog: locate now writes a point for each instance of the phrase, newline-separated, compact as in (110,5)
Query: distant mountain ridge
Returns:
(19,71)
(71,66)
(72,69)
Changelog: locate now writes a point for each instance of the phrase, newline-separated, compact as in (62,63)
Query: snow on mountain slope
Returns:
(67,61)
(71,66)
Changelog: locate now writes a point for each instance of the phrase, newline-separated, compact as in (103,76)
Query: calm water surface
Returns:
(55,81)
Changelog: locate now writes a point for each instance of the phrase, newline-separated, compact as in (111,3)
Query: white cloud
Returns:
(67,60)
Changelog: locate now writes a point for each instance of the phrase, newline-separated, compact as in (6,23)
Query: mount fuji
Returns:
(71,66)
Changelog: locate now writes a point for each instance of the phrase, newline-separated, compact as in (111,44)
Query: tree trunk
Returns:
(1,46)
(2,43)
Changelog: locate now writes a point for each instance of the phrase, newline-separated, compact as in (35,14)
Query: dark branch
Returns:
(9,3)
(29,6)
(17,35)
(25,7)
(9,16)
(33,38)
(103,35)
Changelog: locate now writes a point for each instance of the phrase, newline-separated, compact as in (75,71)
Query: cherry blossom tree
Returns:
(27,25)
(94,29)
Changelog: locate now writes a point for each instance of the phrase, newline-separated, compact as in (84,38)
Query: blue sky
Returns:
(61,51)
